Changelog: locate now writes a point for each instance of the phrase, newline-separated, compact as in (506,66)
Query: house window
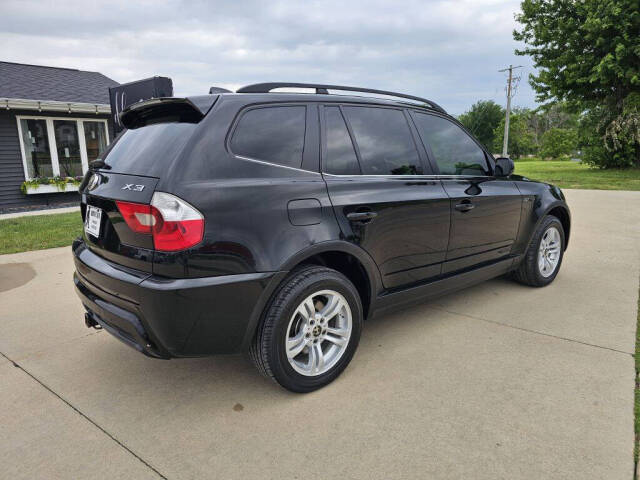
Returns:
(60,146)
(68,146)
(95,137)
(36,148)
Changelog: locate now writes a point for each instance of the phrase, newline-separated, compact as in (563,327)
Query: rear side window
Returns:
(384,141)
(271,134)
(340,157)
(454,151)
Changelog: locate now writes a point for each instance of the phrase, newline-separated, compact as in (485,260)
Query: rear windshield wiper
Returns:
(99,163)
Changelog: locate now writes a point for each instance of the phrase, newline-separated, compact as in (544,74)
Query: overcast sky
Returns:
(449,52)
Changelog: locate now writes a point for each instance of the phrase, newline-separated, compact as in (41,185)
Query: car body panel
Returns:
(538,200)
(179,317)
(408,237)
(487,231)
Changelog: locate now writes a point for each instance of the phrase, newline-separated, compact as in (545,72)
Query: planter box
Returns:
(70,187)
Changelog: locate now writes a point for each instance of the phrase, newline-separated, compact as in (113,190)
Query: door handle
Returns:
(363,217)
(465,206)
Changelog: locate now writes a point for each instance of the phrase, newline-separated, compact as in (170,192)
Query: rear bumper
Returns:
(163,317)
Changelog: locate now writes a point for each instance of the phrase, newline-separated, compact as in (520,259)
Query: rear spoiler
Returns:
(167,109)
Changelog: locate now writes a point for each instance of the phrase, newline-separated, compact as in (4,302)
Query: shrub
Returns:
(558,142)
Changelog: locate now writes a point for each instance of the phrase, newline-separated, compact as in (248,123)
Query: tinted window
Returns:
(148,150)
(384,140)
(340,158)
(455,152)
(272,134)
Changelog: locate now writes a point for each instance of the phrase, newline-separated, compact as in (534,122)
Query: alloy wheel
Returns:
(318,333)
(549,252)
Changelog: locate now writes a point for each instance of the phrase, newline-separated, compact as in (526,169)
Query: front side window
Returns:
(340,157)
(454,151)
(36,148)
(384,141)
(271,134)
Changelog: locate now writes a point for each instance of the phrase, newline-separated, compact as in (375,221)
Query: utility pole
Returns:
(510,93)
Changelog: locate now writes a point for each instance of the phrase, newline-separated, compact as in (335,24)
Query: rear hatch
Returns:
(117,194)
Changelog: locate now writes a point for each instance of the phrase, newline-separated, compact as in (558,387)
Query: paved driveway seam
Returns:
(83,415)
(43,351)
(528,330)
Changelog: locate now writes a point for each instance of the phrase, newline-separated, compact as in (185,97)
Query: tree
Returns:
(558,142)
(549,116)
(587,53)
(616,143)
(482,119)
(521,139)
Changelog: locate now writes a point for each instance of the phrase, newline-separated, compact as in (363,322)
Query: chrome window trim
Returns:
(249,159)
(411,176)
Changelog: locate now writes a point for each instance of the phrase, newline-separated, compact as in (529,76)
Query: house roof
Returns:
(36,82)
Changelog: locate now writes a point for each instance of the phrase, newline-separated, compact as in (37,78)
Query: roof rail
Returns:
(320,88)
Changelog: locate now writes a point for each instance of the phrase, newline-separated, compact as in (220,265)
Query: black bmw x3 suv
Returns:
(275,223)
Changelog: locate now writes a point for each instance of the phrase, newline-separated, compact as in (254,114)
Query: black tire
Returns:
(268,351)
(528,272)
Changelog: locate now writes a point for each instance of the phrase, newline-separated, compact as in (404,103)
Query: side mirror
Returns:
(504,167)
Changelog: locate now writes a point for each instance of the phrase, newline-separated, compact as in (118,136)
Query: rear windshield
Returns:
(148,150)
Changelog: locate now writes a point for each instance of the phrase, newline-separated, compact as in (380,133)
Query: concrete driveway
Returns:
(496,381)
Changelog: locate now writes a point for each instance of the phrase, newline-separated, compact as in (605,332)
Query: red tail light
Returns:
(178,225)
(138,216)
(174,224)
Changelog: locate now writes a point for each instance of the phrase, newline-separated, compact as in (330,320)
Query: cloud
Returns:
(449,51)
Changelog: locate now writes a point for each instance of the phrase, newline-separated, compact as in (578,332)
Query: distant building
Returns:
(53,122)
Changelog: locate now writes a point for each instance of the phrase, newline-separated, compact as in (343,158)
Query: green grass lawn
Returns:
(567,174)
(39,231)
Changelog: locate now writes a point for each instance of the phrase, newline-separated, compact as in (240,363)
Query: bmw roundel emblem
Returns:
(93,182)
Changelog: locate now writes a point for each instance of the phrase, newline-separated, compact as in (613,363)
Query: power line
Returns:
(512,87)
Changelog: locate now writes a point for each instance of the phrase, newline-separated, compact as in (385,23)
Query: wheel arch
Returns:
(348,259)
(561,212)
